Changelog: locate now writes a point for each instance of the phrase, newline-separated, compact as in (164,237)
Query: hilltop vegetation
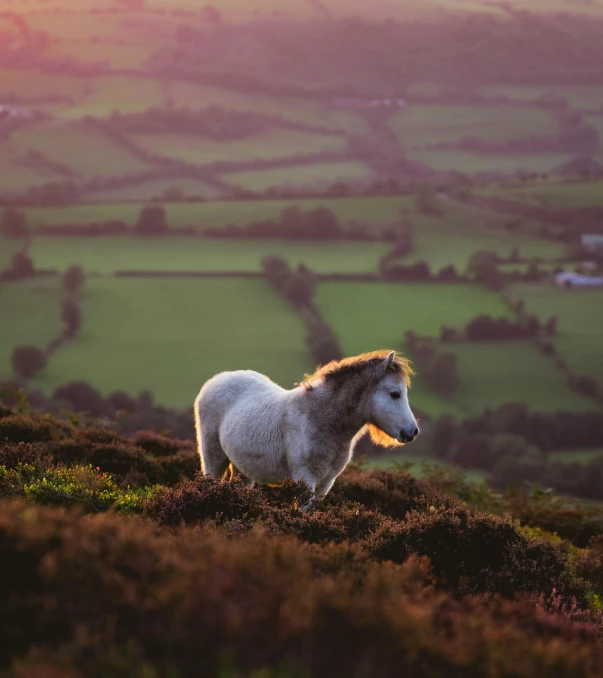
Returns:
(431,576)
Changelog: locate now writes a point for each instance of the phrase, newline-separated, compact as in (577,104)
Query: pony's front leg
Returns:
(311,482)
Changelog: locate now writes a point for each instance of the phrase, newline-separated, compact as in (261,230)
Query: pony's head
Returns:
(389,417)
(376,385)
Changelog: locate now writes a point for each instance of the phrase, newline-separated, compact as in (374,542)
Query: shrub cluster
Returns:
(132,461)
(390,575)
(107,595)
(298,287)
(439,369)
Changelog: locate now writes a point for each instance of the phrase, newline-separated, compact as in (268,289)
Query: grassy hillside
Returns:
(40,324)
(365,315)
(277,143)
(496,373)
(579,328)
(169,336)
(422,125)
(177,254)
(217,214)
(86,152)
(556,194)
(315,175)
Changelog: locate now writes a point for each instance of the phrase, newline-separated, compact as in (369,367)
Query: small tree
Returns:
(81,397)
(152,220)
(276,269)
(22,265)
(73,278)
(299,288)
(443,374)
(27,361)
(13,223)
(71,316)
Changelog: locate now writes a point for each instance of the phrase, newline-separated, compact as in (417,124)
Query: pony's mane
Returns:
(356,365)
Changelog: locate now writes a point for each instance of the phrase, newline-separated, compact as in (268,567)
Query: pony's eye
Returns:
(395,395)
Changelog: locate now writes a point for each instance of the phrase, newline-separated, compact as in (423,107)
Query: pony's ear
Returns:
(385,363)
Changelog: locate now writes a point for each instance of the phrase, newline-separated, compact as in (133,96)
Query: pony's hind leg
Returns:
(235,473)
(213,458)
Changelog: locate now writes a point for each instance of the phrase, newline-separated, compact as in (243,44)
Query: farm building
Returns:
(571,279)
(593,242)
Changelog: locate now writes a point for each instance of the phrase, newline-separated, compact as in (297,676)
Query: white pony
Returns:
(270,434)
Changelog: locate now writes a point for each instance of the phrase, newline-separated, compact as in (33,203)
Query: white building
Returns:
(571,279)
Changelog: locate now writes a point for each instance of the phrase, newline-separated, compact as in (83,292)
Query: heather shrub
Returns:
(204,499)
(479,553)
(574,521)
(117,458)
(106,595)
(161,446)
(31,428)
(81,486)
(177,467)
(392,493)
(590,563)
(328,524)
(23,453)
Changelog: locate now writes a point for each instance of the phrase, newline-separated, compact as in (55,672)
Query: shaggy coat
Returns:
(308,433)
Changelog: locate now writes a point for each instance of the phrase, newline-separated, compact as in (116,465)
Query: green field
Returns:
(30,314)
(321,174)
(273,143)
(369,316)
(564,195)
(15,176)
(96,37)
(585,97)
(243,10)
(36,85)
(597,122)
(107,255)
(156,189)
(222,213)
(442,244)
(580,325)
(8,247)
(123,93)
(420,125)
(310,112)
(494,373)
(504,163)
(576,456)
(169,336)
(83,150)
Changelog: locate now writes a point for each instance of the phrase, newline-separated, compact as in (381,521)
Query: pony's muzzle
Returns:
(407,436)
